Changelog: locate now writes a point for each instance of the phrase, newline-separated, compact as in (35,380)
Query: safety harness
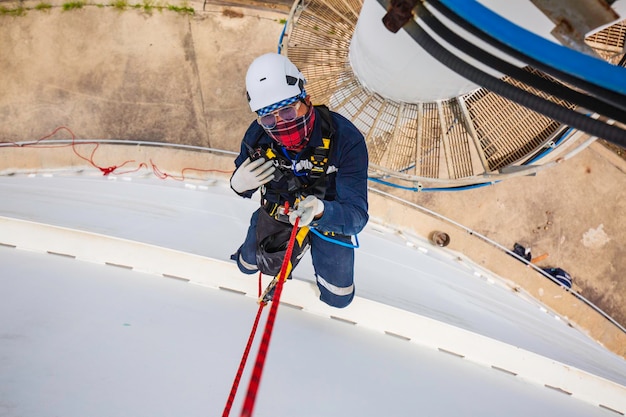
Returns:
(316,163)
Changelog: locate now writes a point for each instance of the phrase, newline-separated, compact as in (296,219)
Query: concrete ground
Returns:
(166,76)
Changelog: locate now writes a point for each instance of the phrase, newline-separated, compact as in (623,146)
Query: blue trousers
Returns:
(333,264)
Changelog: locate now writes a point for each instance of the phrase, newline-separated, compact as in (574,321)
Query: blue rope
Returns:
(335,241)
(293,162)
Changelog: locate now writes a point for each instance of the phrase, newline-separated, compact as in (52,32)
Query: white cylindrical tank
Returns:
(396,67)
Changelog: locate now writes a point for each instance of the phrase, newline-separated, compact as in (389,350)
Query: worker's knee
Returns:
(245,266)
(338,296)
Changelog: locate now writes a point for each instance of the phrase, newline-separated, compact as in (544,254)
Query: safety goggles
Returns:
(288,114)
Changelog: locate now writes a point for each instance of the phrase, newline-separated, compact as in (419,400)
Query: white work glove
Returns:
(307,210)
(252,175)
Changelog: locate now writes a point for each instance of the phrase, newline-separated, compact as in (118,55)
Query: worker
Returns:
(310,164)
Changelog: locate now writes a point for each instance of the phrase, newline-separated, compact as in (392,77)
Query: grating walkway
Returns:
(461,140)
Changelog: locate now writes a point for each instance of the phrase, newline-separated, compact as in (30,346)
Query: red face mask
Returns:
(294,135)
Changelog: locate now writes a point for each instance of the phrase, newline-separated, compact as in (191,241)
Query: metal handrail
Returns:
(500,247)
(372,189)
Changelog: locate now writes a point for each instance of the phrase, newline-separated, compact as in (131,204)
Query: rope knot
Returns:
(107,171)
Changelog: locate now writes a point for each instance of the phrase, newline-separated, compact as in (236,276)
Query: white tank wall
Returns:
(123,295)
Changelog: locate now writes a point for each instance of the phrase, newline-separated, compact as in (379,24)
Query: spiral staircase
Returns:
(473,138)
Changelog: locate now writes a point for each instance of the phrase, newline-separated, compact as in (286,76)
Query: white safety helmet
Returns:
(272,78)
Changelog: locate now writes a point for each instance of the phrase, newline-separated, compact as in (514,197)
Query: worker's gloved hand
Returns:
(308,209)
(252,174)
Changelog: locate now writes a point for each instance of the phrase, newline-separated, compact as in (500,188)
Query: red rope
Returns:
(90,158)
(164,175)
(242,364)
(257,372)
(263,348)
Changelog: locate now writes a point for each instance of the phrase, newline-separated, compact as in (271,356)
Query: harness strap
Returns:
(277,211)
(318,159)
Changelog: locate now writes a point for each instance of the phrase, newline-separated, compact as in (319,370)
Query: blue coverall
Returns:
(345,204)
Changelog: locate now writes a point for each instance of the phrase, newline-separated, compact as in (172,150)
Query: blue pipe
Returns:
(591,69)
(419,189)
